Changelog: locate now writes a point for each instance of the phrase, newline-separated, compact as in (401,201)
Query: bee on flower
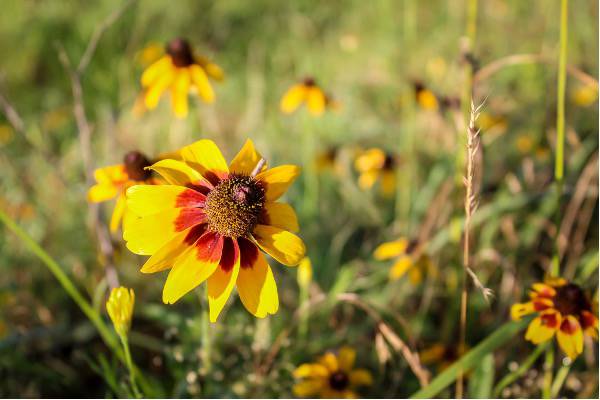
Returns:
(562,309)
(409,258)
(181,72)
(211,221)
(375,165)
(120,309)
(333,376)
(307,91)
(113,181)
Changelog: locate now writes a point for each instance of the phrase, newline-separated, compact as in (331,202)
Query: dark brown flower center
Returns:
(309,81)
(135,162)
(180,52)
(234,206)
(571,300)
(338,380)
(389,162)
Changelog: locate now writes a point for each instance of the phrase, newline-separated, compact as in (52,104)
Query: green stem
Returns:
(303,323)
(560,103)
(206,339)
(65,282)
(560,378)
(548,369)
(513,376)
(130,366)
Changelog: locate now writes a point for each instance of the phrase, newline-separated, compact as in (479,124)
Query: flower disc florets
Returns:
(135,164)
(571,300)
(339,380)
(180,52)
(234,206)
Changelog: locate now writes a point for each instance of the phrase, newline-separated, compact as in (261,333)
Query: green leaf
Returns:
(480,384)
(469,360)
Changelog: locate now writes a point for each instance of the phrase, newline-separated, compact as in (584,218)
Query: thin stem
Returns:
(130,366)
(513,376)
(548,367)
(560,378)
(259,166)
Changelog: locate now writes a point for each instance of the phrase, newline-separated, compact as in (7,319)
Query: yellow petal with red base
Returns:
(118,212)
(148,234)
(205,156)
(277,180)
(389,250)
(311,371)
(570,337)
(542,328)
(201,82)
(145,200)
(166,256)
(176,172)
(222,281)
(346,357)
(543,290)
(179,92)
(257,288)
(282,245)
(315,100)
(154,71)
(280,215)
(360,377)
(245,161)
(519,310)
(292,99)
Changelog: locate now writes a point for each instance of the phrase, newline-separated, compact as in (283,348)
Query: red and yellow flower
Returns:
(180,71)
(409,258)
(562,309)
(209,223)
(113,181)
(375,165)
(332,376)
(307,92)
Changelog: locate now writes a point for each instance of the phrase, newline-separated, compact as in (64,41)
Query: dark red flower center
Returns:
(233,207)
(309,81)
(339,380)
(180,52)
(389,162)
(571,300)
(135,162)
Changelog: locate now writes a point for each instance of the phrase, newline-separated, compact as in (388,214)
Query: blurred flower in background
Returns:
(409,258)
(375,165)
(585,96)
(310,93)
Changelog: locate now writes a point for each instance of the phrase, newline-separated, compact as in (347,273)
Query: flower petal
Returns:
(145,200)
(542,328)
(201,82)
(292,99)
(315,100)
(156,89)
(118,212)
(205,156)
(282,245)
(277,180)
(389,250)
(179,92)
(193,267)
(311,371)
(147,234)
(102,192)
(168,254)
(245,161)
(346,357)
(519,310)
(308,387)
(280,215)
(176,172)
(570,337)
(330,361)
(360,377)
(257,288)
(151,74)
(222,281)
(400,267)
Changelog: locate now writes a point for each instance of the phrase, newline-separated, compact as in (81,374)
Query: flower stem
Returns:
(130,366)
(510,378)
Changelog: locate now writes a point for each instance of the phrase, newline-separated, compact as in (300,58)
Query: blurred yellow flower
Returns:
(149,54)
(563,309)
(424,97)
(524,143)
(375,165)
(6,134)
(181,72)
(585,96)
(439,354)
(113,181)
(409,258)
(120,308)
(332,376)
(489,122)
(304,272)
(310,93)
(210,223)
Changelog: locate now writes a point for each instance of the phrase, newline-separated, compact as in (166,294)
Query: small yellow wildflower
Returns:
(585,96)
(310,93)
(375,165)
(409,258)
(120,308)
(332,376)
(424,97)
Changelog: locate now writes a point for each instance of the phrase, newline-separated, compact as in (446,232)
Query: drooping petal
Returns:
(570,337)
(369,160)
(201,82)
(360,377)
(154,71)
(366,180)
(102,192)
(282,245)
(168,254)
(543,290)
(280,215)
(309,387)
(157,88)
(311,371)
(330,361)
(147,234)
(400,267)
(277,180)
(176,172)
(415,275)
(193,267)
(222,281)
(589,324)
(519,310)
(388,182)
(179,92)
(118,212)
(257,288)
(542,328)
(315,100)
(145,200)
(346,357)
(245,161)
(205,156)
(292,99)
(388,250)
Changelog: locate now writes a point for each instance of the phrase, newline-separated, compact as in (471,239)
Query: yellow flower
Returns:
(210,222)
(373,165)
(304,272)
(424,97)
(120,308)
(149,54)
(179,71)
(6,134)
(441,355)
(524,143)
(408,256)
(310,93)
(488,122)
(113,181)
(332,376)
(585,96)
(563,309)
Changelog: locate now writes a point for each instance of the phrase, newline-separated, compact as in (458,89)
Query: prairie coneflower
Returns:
(563,309)
(424,97)
(332,376)
(374,165)
(179,71)
(210,222)
(113,181)
(441,355)
(409,258)
(307,92)
(120,308)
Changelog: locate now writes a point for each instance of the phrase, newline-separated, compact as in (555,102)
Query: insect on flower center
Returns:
(234,205)
(135,162)
(339,380)
(180,52)
(571,300)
